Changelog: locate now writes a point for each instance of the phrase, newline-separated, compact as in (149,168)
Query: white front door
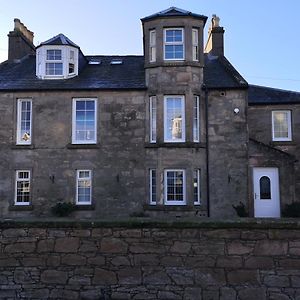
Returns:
(266,192)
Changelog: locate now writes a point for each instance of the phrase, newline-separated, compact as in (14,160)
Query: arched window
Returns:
(265,187)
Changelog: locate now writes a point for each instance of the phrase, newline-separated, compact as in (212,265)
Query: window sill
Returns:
(175,145)
(160,207)
(21,207)
(83,146)
(283,143)
(85,207)
(13,147)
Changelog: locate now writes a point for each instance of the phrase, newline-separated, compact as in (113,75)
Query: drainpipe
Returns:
(207,149)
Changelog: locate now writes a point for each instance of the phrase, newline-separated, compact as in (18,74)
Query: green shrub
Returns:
(291,210)
(241,210)
(63,209)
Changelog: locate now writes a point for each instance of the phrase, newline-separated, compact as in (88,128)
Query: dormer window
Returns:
(57,58)
(174,44)
(54,64)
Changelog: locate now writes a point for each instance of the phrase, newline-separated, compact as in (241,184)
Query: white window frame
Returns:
(20,140)
(289,120)
(196,119)
(198,177)
(152,45)
(17,179)
(152,202)
(172,202)
(74,141)
(153,118)
(54,61)
(174,43)
(195,44)
(78,179)
(182,139)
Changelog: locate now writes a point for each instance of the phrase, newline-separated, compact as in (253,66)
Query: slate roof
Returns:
(128,75)
(220,74)
(174,12)
(261,95)
(59,39)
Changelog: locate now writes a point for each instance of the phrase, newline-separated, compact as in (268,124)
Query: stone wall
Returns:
(150,260)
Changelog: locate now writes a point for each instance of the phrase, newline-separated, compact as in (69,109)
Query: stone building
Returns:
(175,132)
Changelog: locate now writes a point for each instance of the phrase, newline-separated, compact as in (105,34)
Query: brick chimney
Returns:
(215,41)
(20,41)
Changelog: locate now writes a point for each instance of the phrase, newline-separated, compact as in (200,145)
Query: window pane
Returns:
(174,117)
(175,186)
(24,122)
(85,121)
(196,186)
(84,186)
(265,187)
(282,125)
(22,187)
(152,119)
(152,186)
(53,54)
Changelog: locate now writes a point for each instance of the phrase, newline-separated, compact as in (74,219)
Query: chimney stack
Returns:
(20,41)
(215,41)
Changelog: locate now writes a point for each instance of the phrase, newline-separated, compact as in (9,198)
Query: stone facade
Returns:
(122,157)
(150,261)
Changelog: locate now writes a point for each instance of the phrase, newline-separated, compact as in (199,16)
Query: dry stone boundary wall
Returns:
(150,260)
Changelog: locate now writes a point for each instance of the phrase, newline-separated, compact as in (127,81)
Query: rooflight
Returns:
(116,62)
(94,62)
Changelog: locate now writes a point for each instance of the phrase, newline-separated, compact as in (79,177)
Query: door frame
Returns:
(277,190)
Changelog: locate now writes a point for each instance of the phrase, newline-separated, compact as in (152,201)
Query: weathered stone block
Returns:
(53,261)
(22,276)
(227,293)
(192,293)
(120,261)
(14,232)
(80,280)
(257,262)
(88,246)
(81,232)
(166,295)
(181,276)
(35,294)
(73,260)
(96,261)
(239,248)
(155,276)
(271,247)
(101,232)
(243,277)
(67,244)
(20,248)
(295,281)
(147,248)
(229,262)
(200,261)
(128,233)
(171,261)
(113,245)
(145,259)
(209,247)
(290,263)
(104,277)
(9,262)
(253,235)
(209,277)
(249,293)
(54,277)
(181,247)
(45,245)
(33,261)
(222,233)
(276,281)
(211,295)
(130,276)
